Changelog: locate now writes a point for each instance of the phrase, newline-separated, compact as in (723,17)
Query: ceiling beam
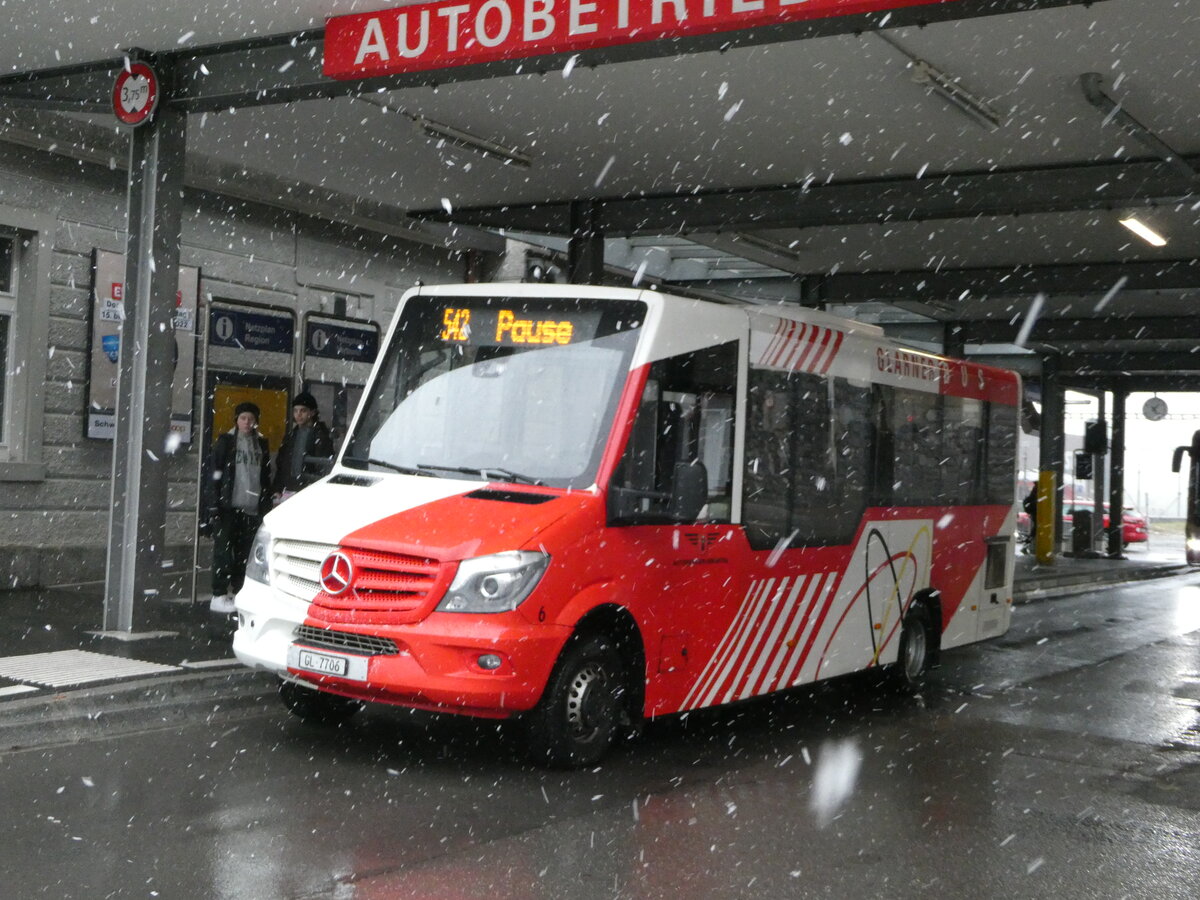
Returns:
(1133,383)
(1075,331)
(109,148)
(949,285)
(881,201)
(1118,363)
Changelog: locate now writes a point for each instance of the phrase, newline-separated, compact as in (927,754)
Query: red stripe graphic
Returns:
(800,347)
(780,328)
(737,650)
(812,350)
(794,667)
(783,677)
(768,680)
(723,648)
(784,347)
(838,337)
(757,648)
(754,652)
(772,645)
(797,347)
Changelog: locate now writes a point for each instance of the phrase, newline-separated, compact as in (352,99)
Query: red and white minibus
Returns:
(586,506)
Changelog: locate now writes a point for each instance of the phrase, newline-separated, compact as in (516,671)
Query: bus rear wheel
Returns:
(915,653)
(582,710)
(317,707)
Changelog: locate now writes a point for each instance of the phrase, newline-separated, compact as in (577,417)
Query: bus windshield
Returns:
(498,389)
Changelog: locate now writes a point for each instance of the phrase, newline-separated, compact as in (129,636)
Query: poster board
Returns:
(250,358)
(338,355)
(104,351)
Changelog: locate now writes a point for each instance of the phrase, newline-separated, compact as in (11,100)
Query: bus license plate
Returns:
(323,663)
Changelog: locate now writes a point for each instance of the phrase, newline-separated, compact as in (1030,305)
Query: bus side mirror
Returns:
(624,504)
(689,491)
(318,465)
(1177,459)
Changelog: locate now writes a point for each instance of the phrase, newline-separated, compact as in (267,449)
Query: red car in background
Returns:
(1134,527)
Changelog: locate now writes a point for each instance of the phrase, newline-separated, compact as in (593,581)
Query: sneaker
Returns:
(222,604)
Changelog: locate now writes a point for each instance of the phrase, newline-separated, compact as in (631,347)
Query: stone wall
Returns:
(53,526)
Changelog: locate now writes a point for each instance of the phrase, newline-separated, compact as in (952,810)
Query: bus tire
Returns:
(317,707)
(580,713)
(915,652)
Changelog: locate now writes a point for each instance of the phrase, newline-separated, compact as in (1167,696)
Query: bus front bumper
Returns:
(482,665)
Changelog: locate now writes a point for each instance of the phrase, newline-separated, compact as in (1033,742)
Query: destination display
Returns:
(499,326)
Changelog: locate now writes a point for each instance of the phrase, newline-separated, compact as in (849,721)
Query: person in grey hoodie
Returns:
(238,494)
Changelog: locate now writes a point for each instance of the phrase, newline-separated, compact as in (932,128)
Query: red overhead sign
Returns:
(440,35)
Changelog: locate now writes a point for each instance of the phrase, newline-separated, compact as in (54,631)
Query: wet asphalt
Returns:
(1062,760)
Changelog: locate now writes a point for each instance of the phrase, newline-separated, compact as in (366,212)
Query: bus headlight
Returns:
(497,583)
(258,565)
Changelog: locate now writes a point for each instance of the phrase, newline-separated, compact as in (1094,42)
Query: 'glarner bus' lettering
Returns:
(907,364)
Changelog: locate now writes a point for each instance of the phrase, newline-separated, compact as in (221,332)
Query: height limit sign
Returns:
(135,94)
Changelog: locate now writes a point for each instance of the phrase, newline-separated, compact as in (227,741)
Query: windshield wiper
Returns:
(487,472)
(516,477)
(357,463)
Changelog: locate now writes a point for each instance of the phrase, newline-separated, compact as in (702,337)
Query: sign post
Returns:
(141,448)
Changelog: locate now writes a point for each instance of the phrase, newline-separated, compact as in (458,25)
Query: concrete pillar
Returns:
(954,340)
(812,291)
(137,520)
(1050,463)
(585,251)
(1116,482)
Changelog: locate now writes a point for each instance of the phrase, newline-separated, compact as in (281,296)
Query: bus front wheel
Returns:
(581,711)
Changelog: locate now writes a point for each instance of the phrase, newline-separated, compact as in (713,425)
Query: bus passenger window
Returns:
(1000,450)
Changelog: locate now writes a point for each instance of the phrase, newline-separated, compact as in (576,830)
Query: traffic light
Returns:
(1095,437)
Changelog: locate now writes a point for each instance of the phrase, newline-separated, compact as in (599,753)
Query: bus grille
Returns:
(296,567)
(345,641)
(387,588)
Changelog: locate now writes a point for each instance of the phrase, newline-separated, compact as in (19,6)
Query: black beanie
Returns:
(246,407)
(305,399)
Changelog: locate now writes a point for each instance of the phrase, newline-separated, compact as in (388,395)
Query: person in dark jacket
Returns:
(1029,504)
(237,496)
(308,437)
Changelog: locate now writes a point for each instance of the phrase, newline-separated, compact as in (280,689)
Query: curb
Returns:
(120,708)
(1075,583)
(135,705)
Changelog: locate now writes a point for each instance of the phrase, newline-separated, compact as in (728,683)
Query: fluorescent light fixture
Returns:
(456,137)
(949,88)
(768,246)
(952,91)
(1147,234)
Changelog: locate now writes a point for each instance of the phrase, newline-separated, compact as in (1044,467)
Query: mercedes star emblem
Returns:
(336,573)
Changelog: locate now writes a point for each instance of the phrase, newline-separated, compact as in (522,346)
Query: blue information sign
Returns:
(351,343)
(250,330)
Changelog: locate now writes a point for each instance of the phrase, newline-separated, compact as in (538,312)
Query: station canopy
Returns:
(961,169)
